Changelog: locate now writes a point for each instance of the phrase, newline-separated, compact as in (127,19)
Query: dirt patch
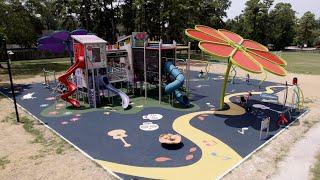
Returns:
(31,151)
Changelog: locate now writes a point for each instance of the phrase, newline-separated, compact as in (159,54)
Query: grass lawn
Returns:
(29,68)
(298,62)
(303,63)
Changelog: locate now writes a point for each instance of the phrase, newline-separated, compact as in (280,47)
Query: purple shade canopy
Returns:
(54,48)
(61,35)
(48,40)
(59,41)
(79,32)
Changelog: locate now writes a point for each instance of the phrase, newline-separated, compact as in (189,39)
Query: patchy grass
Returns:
(10,118)
(50,144)
(4,161)
(298,62)
(59,150)
(316,169)
(28,126)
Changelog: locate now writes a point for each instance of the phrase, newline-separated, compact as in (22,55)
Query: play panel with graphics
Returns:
(165,140)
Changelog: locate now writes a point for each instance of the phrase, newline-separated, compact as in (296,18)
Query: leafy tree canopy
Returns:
(25,21)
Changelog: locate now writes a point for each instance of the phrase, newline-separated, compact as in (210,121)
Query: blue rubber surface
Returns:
(89,133)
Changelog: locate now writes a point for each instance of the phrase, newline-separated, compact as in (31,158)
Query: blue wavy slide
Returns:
(176,84)
(125,99)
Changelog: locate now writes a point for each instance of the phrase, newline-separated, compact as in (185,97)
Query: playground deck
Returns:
(212,141)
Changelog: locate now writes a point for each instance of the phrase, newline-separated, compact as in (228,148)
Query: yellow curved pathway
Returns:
(208,166)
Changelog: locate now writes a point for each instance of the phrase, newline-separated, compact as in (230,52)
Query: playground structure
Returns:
(178,142)
(158,67)
(92,76)
(134,62)
(144,66)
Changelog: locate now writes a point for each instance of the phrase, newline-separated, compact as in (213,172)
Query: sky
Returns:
(300,6)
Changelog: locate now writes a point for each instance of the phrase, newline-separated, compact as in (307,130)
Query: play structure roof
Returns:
(88,39)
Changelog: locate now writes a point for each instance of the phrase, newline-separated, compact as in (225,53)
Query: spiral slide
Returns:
(125,99)
(176,84)
(71,87)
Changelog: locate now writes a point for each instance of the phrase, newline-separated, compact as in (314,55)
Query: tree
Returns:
(282,22)
(173,19)
(2,54)
(318,23)
(43,11)
(128,14)
(305,29)
(18,25)
(178,15)
(211,13)
(167,19)
(86,10)
(316,33)
(105,19)
(237,25)
(256,20)
(67,13)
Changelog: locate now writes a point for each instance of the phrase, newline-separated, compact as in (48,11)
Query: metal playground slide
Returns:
(125,99)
